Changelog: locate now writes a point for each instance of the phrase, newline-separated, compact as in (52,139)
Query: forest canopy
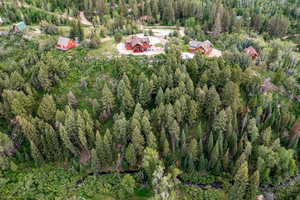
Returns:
(150,127)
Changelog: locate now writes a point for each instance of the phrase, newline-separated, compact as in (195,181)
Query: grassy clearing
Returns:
(106,48)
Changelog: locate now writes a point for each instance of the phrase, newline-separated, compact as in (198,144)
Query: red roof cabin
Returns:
(204,47)
(65,44)
(137,44)
(250,51)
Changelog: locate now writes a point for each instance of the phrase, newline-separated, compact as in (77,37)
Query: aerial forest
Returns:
(93,122)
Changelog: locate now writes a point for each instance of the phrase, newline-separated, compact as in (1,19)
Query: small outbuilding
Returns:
(187,55)
(19,27)
(64,43)
(250,51)
(137,44)
(1,21)
(205,47)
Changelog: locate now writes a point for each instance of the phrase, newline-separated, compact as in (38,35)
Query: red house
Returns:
(137,44)
(250,51)
(65,44)
(204,47)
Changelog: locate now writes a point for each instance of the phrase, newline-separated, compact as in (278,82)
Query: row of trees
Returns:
(215,17)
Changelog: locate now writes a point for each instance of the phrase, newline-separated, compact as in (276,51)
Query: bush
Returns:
(48,28)
(151,32)
(127,187)
(46,45)
(118,37)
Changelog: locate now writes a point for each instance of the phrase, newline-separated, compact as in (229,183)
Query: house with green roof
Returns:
(19,27)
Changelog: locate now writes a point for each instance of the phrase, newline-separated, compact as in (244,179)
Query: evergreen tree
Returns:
(253,186)
(226,161)
(66,140)
(150,162)
(238,190)
(213,101)
(174,131)
(131,155)
(278,26)
(135,10)
(77,30)
(252,130)
(151,140)
(219,125)
(159,97)
(166,149)
(210,144)
(120,130)
(192,114)
(95,163)
(183,142)
(72,101)
(217,29)
(52,142)
(99,145)
(266,136)
(214,156)
(231,96)
(108,149)
(107,102)
(128,101)
(35,153)
(168,16)
(138,140)
(193,149)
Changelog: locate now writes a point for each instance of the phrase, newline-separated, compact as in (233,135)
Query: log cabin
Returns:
(137,44)
(204,47)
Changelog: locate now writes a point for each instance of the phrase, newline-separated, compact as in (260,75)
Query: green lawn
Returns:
(106,48)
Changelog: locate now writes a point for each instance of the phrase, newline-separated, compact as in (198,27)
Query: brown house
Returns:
(204,47)
(250,51)
(137,44)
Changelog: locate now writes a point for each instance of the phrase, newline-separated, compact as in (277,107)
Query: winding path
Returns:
(292,180)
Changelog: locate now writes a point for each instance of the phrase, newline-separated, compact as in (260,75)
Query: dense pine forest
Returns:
(95,123)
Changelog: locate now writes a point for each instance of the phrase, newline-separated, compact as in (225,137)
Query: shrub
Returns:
(48,28)
(151,32)
(127,187)
(46,45)
(118,37)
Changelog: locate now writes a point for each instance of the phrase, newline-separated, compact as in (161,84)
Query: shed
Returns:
(205,47)
(187,55)
(250,51)
(64,43)
(21,26)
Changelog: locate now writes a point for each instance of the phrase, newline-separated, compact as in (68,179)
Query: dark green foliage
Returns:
(118,37)
(157,113)
(77,31)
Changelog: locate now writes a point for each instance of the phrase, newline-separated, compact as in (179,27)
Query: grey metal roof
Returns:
(197,44)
